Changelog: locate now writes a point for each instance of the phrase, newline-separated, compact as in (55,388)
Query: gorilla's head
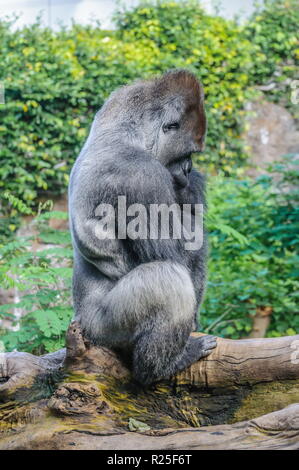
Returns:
(164,116)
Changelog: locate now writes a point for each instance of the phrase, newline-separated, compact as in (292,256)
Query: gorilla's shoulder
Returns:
(136,170)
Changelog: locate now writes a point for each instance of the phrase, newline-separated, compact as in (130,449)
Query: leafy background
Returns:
(54,84)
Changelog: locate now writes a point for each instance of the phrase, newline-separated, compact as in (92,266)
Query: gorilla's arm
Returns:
(92,184)
(141,181)
(107,255)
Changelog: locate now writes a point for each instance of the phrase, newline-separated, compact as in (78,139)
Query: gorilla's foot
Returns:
(196,348)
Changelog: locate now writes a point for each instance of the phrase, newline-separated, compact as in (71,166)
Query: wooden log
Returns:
(84,397)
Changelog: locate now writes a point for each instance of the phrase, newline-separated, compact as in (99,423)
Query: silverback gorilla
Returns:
(140,297)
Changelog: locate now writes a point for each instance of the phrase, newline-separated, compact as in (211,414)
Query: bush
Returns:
(260,269)
(43,282)
(219,54)
(67,75)
(274,31)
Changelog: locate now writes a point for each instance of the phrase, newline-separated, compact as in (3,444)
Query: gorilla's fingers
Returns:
(206,344)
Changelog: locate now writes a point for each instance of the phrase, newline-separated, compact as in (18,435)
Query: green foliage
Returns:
(275,33)
(42,279)
(217,51)
(260,270)
(67,75)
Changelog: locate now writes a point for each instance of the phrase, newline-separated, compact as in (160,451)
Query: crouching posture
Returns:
(136,290)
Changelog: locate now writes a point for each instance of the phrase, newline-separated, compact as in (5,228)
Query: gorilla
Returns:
(140,297)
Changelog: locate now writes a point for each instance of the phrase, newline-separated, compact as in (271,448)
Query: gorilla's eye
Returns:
(171,126)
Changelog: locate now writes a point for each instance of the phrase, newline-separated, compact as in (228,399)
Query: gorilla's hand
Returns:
(180,172)
(196,349)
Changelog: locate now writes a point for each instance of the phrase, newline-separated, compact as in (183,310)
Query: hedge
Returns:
(56,81)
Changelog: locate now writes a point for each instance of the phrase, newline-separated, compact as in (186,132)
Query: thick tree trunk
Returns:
(84,398)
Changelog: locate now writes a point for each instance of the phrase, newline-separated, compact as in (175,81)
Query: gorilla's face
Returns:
(181,132)
(163,116)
